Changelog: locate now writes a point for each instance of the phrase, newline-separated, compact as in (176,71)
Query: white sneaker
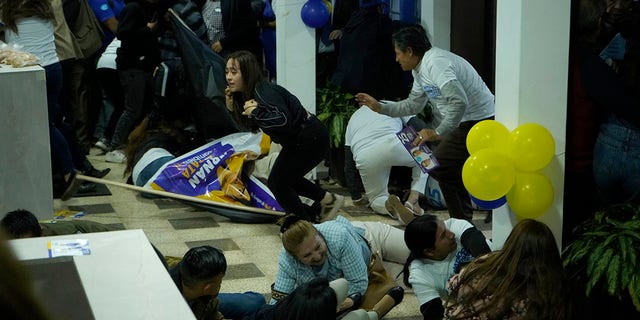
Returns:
(115,156)
(102,144)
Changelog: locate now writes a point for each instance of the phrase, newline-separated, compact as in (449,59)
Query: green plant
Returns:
(334,110)
(606,252)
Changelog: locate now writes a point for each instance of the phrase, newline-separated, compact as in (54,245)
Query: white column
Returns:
(435,16)
(25,173)
(532,48)
(295,52)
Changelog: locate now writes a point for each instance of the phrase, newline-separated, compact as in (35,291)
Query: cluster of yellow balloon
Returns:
(505,164)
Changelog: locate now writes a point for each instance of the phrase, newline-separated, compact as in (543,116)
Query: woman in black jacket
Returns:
(256,103)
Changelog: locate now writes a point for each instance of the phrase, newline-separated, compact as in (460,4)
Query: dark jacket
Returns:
(342,12)
(139,47)
(189,12)
(366,60)
(205,307)
(279,113)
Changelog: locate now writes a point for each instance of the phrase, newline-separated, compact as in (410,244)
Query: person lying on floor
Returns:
(439,249)
(339,249)
(225,170)
(199,277)
(24,224)
(320,299)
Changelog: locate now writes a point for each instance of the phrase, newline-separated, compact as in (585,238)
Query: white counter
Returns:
(122,277)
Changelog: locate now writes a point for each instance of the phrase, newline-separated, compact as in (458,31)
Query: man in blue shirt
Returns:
(107,12)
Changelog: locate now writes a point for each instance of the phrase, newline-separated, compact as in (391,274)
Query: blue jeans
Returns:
(616,161)
(239,305)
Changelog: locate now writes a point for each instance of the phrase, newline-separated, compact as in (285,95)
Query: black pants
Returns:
(287,181)
(136,85)
(112,92)
(352,175)
(81,98)
(452,153)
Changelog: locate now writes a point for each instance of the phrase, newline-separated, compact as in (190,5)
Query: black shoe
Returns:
(397,293)
(87,187)
(71,186)
(93,172)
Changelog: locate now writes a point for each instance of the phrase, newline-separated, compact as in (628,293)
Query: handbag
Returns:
(380,281)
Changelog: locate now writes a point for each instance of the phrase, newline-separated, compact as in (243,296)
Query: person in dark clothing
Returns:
(199,275)
(137,57)
(175,82)
(23,224)
(328,38)
(603,124)
(255,104)
(318,298)
(232,25)
(365,61)
(314,300)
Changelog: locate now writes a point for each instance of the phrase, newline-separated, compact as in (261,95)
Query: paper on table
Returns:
(69,247)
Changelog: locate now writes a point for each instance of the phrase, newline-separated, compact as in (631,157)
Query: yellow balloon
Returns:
(530,147)
(531,195)
(487,134)
(488,174)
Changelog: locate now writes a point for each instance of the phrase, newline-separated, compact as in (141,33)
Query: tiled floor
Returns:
(251,249)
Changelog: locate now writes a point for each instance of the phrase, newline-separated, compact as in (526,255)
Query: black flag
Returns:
(205,71)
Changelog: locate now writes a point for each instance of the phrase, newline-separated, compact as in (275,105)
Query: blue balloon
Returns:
(489,204)
(315,13)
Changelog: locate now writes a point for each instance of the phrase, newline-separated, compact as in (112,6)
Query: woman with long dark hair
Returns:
(258,104)
(524,280)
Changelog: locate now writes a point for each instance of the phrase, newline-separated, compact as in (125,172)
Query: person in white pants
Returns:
(371,139)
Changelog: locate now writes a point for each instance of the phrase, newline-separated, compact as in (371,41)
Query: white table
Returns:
(122,277)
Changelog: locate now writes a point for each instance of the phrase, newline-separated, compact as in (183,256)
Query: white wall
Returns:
(296,53)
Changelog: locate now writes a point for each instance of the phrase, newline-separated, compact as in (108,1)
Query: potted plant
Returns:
(604,259)
(334,108)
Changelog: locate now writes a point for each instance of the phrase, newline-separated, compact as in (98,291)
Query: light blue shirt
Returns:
(348,257)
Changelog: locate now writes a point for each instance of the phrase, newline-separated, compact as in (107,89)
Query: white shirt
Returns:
(429,277)
(35,35)
(367,128)
(108,58)
(437,68)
